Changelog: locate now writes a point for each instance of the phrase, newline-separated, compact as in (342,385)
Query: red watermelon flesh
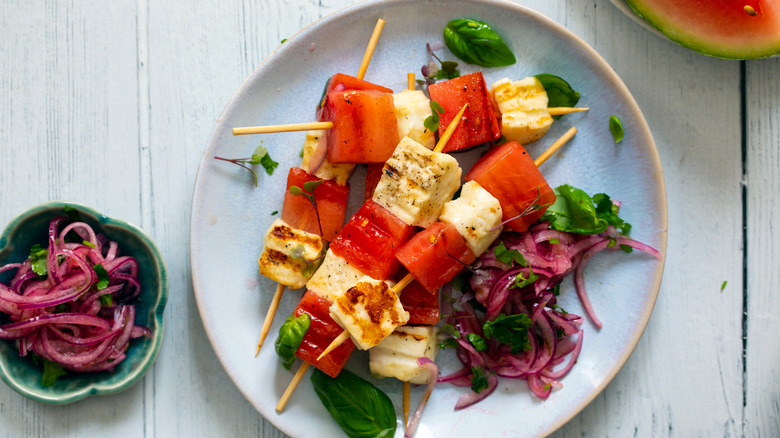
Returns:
(734,29)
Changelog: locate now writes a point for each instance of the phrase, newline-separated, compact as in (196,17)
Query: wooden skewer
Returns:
(291,387)
(410,81)
(407,395)
(380,23)
(308,126)
(562,110)
(555,146)
(269,317)
(445,137)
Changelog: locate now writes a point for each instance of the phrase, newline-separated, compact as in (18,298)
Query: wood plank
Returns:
(762,372)
(69,131)
(685,376)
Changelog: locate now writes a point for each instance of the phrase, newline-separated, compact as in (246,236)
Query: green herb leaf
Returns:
(723,286)
(521,282)
(88,243)
(274,213)
(616,127)
(431,122)
(38,257)
(479,379)
(72,213)
(284,40)
(359,408)
(511,330)
(309,186)
(290,336)
(475,42)
(268,164)
(507,257)
(575,212)
(102,275)
(51,372)
(477,341)
(295,190)
(107,300)
(559,92)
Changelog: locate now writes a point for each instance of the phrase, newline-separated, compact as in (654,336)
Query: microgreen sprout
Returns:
(308,192)
(437,69)
(431,122)
(310,266)
(528,210)
(260,156)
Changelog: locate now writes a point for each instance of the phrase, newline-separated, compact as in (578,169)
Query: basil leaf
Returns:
(616,127)
(521,282)
(359,408)
(559,92)
(291,334)
(506,256)
(511,330)
(475,42)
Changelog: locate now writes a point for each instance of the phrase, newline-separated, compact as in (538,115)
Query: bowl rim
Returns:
(157,308)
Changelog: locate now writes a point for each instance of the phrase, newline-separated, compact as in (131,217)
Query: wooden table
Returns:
(111,104)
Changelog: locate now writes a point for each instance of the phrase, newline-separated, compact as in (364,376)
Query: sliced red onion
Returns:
(434,374)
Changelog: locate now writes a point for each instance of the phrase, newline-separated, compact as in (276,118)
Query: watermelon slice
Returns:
(734,29)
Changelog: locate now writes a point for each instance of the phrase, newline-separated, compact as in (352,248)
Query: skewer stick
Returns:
(410,81)
(407,395)
(380,23)
(269,317)
(445,137)
(291,387)
(308,126)
(562,110)
(555,146)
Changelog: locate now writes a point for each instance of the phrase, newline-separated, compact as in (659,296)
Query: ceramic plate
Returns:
(230,216)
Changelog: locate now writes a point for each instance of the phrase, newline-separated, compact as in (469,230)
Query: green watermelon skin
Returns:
(720,28)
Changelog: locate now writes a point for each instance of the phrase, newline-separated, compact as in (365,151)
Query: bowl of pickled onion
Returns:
(102,326)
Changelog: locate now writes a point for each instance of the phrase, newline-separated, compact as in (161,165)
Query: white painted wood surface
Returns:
(111,104)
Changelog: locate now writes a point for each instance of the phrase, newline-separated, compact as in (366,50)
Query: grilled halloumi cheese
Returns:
(523,107)
(412,107)
(416,182)
(369,311)
(396,356)
(333,277)
(288,254)
(327,170)
(474,214)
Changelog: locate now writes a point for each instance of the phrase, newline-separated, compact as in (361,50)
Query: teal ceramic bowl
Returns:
(20,373)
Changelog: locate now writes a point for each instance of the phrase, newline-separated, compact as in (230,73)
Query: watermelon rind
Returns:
(685,31)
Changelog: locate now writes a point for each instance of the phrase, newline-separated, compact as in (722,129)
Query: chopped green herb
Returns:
(274,213)
(477,341)
(38,257)
(511,330)
(479,379)
(723,286)
(507,257)
(102,275)
(521,282)
(72,213)
(555,241)
(284,40)
(107,300)
(88,243)
(51,371)
(616,127)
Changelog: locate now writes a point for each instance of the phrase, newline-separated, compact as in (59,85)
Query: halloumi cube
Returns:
(416,182)
(369,311)
(412,107)
(397,354)
(327,170)
(333,277)
(523,107)
(474,214)
(288,254)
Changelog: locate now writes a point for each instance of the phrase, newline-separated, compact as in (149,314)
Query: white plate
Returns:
(229,216)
